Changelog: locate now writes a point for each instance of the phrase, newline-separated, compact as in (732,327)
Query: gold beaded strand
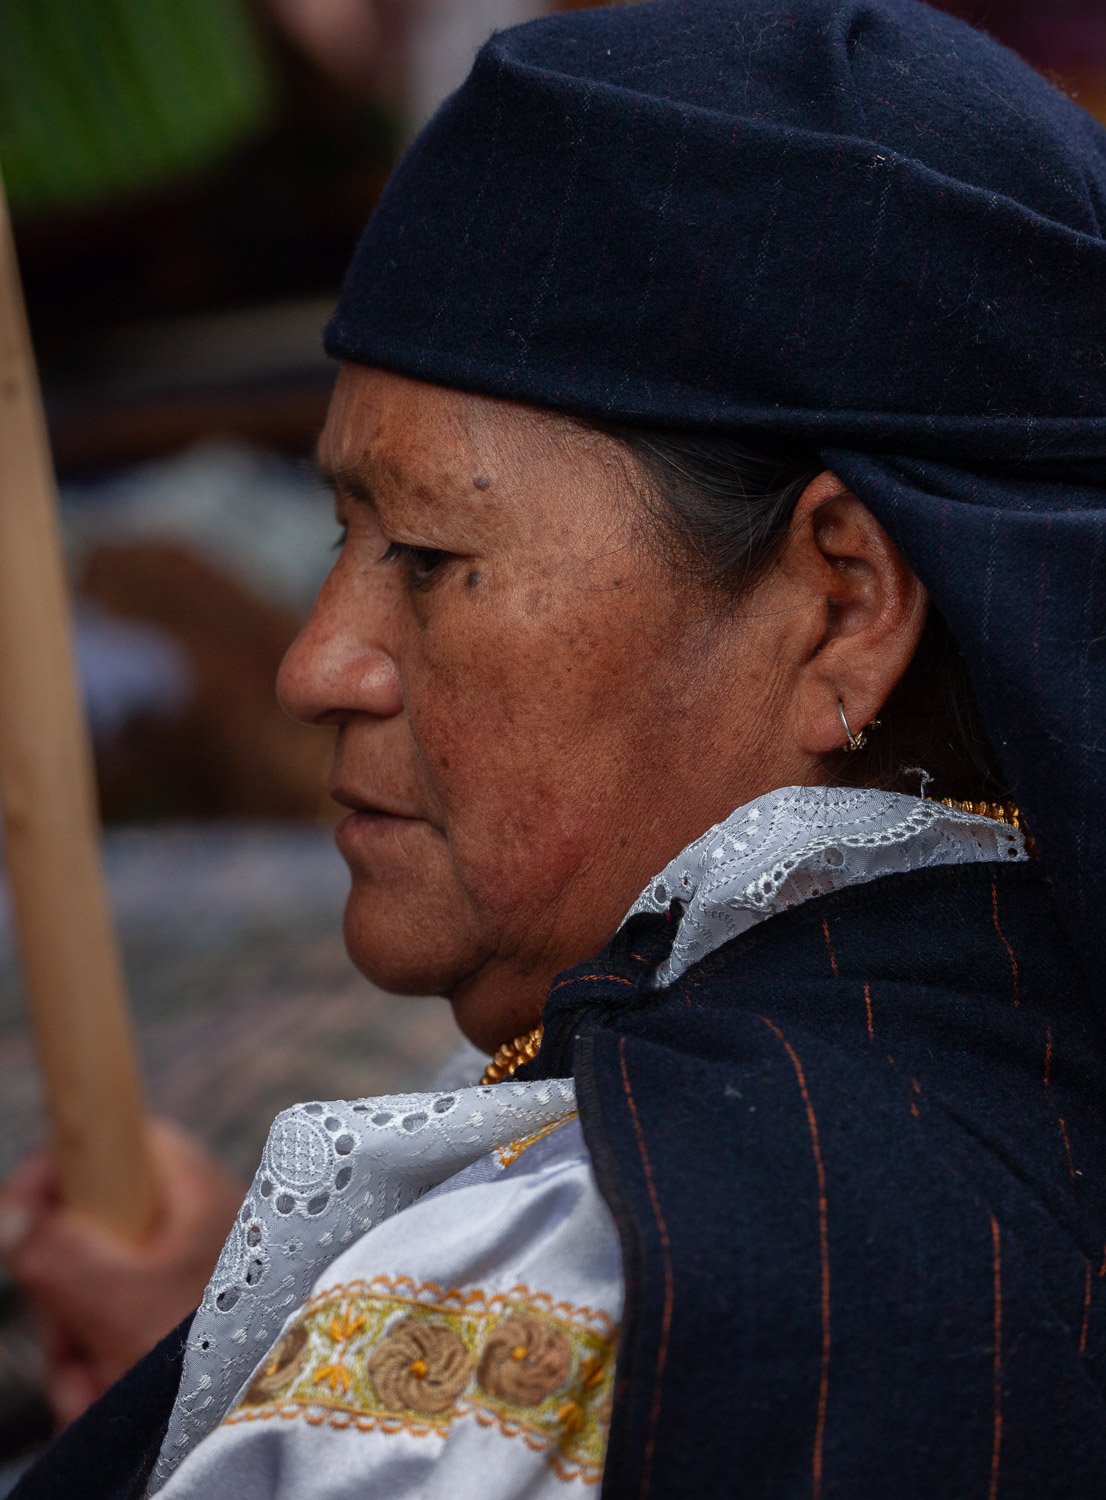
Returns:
(1001,812)
(511,1056)
(523,1049)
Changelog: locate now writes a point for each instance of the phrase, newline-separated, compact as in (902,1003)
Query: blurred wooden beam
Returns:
(72,972)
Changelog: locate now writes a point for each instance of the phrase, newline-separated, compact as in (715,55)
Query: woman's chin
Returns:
(398,955)
(398,973)
(406,958)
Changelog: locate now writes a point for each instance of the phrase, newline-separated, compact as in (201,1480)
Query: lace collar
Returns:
(800,842)
(331,1171)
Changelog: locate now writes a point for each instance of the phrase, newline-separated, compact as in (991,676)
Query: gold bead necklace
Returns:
(523,1049)
(511,1056)
(1001,812)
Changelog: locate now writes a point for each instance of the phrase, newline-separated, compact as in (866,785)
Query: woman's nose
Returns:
(330,671)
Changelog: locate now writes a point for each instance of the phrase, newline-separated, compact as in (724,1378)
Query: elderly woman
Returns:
(718,451)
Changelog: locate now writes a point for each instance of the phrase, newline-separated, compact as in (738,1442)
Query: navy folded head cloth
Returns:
(858,224)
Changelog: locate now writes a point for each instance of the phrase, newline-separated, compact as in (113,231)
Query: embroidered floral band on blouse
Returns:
(332,1171)
(329,1173)
(391,1355)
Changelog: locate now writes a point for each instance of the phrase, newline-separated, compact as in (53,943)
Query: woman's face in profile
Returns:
(533,710)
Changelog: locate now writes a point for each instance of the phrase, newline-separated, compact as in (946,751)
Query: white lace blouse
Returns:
(421,1295)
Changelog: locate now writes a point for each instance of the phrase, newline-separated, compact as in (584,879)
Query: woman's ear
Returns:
(867,610)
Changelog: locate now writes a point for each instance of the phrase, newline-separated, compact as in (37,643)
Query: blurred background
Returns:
(187,179)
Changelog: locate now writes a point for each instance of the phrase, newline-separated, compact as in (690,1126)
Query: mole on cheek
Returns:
(481,482)
(474,579)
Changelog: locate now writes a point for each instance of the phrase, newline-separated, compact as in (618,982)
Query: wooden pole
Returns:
(71,966)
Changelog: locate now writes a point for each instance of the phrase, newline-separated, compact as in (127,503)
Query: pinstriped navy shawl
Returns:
(854,223)
(856,1162)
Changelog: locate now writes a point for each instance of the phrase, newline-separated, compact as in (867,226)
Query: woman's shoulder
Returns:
(472,1332)
(858,1157)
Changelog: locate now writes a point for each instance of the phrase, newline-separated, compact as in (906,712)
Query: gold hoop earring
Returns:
(855,741)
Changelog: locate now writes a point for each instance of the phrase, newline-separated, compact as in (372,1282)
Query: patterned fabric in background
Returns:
(243,995)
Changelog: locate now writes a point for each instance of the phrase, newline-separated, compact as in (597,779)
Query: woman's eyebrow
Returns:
(346,479)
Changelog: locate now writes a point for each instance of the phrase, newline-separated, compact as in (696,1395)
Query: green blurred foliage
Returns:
(103,98)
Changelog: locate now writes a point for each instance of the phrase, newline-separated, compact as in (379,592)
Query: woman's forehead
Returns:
(384,429)
(378,422)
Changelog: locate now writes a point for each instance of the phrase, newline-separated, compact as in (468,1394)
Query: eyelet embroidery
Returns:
(798,843)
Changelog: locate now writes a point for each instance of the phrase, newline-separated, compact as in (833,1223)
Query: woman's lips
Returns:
(370,827)
(367,828)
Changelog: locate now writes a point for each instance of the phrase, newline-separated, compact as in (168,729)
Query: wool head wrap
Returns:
(859,225)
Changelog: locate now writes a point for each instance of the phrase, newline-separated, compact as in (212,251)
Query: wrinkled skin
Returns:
(540,709)
(535,711)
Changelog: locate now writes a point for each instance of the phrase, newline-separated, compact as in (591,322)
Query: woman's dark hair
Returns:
(723,508)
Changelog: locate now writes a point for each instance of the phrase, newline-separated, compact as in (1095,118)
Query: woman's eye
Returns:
(419,563)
